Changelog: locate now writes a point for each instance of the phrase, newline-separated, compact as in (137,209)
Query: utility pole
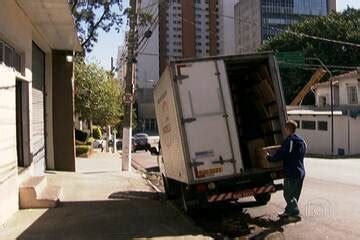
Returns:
(128,97)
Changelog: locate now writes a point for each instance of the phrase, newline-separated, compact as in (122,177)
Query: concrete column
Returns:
(63,111)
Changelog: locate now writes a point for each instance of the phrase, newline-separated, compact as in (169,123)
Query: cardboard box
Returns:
(253,145)
(261,157)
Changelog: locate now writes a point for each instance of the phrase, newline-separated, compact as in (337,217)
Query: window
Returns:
(8,56)
(1,52)
(322,125)
(308,125)
(322,101)
(17,62)
(352,95)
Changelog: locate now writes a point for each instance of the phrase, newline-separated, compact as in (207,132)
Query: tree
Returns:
(94,15)
(98,96)
(342,27)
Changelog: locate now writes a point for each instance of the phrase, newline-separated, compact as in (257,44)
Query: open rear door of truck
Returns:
(209,127)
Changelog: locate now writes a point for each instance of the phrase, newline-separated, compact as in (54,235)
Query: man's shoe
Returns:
(292,219)
(283,215)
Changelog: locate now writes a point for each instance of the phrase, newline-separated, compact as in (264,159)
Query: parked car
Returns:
(119,143)
(141,142)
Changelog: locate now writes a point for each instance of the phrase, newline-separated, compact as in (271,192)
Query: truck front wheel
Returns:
(263,198)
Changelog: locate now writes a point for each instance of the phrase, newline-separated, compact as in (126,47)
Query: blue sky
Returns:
(109,42)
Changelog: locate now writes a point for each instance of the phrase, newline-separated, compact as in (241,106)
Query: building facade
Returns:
(189,29)
(258,20)
(36,92)
(346,90)
(315,122)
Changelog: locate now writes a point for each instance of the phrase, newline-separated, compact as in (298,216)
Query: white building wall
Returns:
(322,91)
(354,135)
(343,84)
(17,31)
(346,134)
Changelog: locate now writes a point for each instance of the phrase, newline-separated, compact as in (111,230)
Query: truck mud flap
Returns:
(229,196)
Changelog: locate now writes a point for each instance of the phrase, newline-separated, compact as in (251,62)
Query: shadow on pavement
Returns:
(130,195)
(231,220)
(133,215)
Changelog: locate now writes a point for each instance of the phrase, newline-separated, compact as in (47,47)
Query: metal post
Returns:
(127,125)
(114,141)
(331,101)
(107,138)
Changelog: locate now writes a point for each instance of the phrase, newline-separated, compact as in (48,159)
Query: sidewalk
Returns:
(100,202)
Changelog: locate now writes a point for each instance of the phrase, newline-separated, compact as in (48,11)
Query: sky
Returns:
(108,43)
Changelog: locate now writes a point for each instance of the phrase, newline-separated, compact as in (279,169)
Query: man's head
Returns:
(290,127)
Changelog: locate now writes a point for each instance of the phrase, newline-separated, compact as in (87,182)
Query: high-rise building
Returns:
(188,29)
(227,27)
(184,29)
(257,20)
(121,64)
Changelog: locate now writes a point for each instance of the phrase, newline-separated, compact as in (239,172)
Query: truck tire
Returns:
(263,198)
(172,189)
(184,199)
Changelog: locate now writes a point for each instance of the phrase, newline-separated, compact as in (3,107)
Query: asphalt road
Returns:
(329,202)
(329,205)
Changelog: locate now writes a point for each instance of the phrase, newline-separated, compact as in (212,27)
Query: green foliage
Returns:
(98,96)
(337,26)
(97,133)
(90,141)
(82,149)
(94,15)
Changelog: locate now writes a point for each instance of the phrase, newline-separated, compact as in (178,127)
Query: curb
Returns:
(137,166)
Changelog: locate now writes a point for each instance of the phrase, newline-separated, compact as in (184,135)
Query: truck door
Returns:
(208,119)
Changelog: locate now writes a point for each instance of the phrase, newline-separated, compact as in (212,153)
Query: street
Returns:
(328,204)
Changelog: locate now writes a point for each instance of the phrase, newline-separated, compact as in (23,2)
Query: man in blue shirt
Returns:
(292,153)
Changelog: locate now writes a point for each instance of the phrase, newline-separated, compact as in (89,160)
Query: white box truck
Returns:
(213,115)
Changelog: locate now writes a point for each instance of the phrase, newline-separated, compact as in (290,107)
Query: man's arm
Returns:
(281,153)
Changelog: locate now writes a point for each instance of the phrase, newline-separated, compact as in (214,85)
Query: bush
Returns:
(80,135)
(90,141)
(97,133)
(82,150)
(79,143)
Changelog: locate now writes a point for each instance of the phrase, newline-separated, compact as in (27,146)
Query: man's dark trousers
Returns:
(292,190)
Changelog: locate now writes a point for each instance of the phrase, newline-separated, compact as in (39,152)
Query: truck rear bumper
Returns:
(230,196)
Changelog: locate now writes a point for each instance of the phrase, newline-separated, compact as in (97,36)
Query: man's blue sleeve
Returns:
(280,154)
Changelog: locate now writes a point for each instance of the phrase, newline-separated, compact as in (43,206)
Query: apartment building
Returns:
(258,20)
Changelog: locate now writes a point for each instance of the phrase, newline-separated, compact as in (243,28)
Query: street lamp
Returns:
(331,101)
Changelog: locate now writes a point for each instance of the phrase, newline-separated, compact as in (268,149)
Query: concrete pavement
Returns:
(100,202)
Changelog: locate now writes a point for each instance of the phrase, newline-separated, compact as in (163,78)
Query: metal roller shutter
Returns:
(38,115)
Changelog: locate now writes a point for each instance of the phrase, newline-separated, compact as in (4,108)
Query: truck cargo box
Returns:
(214,114)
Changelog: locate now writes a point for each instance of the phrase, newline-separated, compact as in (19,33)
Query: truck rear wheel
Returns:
(186,202)
(263,198)
(172,189)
